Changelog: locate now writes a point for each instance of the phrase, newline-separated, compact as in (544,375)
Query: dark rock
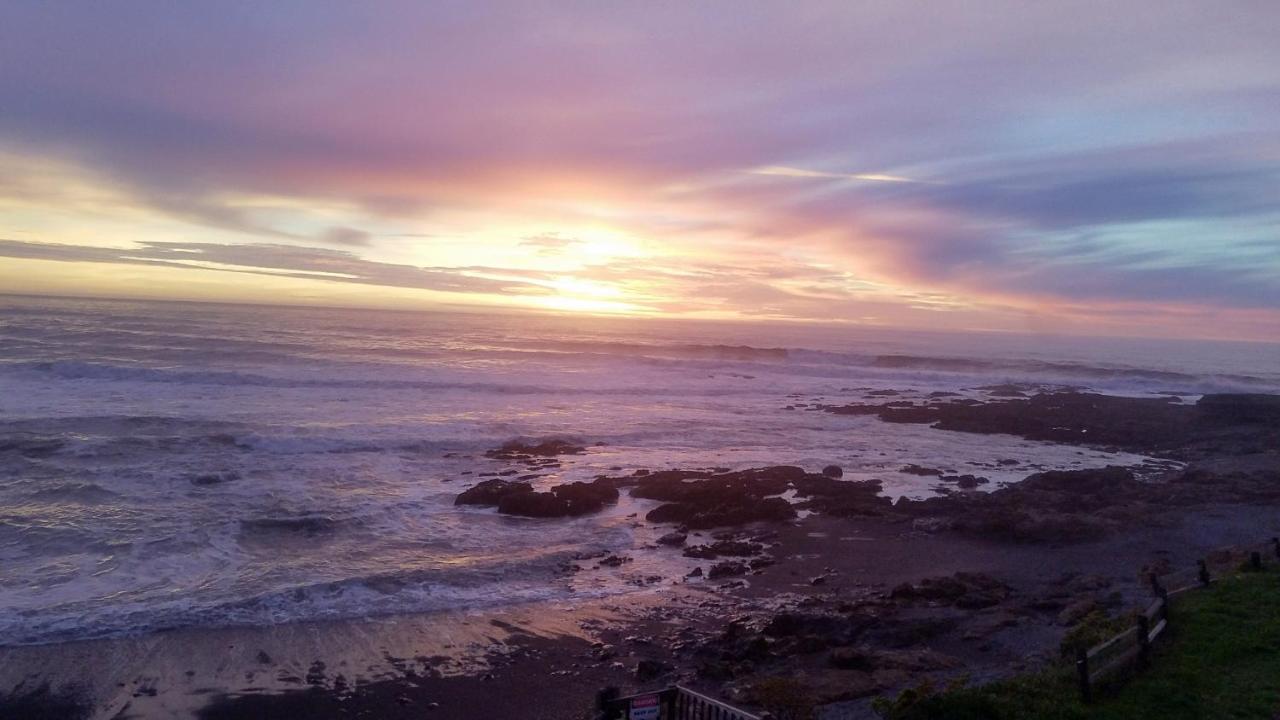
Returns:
(918,470)
(842,498)
(838,629)
(215,478)
(852,658)
(908,633)
(572,499)
(721,515)
(491,492)
(731,568)
(966,482)
(1065,506)
(964,590)
(673,538)
(724,548)
(1146,425)
(1007,390)
(833,471)
(1241,409)
(647,670)
(517,450)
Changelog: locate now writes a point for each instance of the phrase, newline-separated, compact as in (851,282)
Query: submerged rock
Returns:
(918,470)
(965,482)
(517,450)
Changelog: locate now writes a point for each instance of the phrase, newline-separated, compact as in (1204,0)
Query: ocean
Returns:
(170,465)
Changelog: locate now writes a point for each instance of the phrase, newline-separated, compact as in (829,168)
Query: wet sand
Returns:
(548,660)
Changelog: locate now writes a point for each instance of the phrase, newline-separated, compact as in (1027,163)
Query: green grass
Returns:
(1221,659)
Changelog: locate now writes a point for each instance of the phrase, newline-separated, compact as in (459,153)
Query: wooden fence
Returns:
(674,703)
(1131,649)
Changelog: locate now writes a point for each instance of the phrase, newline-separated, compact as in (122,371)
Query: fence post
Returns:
(1082,673)
(1275,543)
(1156,588)
(1255,560)
(1204,573)
(668,699)
(1144,639)
(607,705)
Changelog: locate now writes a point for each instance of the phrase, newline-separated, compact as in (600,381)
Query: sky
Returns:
(1071,167)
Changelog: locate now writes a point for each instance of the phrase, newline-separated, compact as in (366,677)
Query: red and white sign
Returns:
(645,707)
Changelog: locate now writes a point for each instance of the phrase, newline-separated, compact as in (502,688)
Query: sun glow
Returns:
(588,305)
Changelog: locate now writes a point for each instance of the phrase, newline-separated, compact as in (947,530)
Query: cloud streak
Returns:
(287,261)
(1011,155)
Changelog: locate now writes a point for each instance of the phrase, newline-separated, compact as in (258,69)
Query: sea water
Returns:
(174,464)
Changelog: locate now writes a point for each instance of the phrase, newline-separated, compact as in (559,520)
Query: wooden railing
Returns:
(673,703)
(1131,648)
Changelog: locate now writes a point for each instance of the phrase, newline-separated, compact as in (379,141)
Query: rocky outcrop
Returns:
(842,498)
(702,500)
(970,591)
(730,568)
(1241,409)
(724,548)
(519,450)
(568,500)
(1067,506)
(674,538)
(491,492)
(513,497)
(918,470)
(1164,426)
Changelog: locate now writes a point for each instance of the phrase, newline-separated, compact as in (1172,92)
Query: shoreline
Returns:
(853,596)
(557,655)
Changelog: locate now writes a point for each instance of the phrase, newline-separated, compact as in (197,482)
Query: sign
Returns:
(645,707)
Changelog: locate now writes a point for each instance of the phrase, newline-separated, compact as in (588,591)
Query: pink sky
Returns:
(1081,167)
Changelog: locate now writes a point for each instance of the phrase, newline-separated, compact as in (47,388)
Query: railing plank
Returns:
(1130,634)
(1154,608)
(1155,631)
(713,708)
(1121,661)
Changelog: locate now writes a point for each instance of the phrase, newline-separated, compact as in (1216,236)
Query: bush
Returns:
(784,698)
(1096,627)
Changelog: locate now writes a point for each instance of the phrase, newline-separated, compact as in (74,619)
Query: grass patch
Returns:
(1220,659)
